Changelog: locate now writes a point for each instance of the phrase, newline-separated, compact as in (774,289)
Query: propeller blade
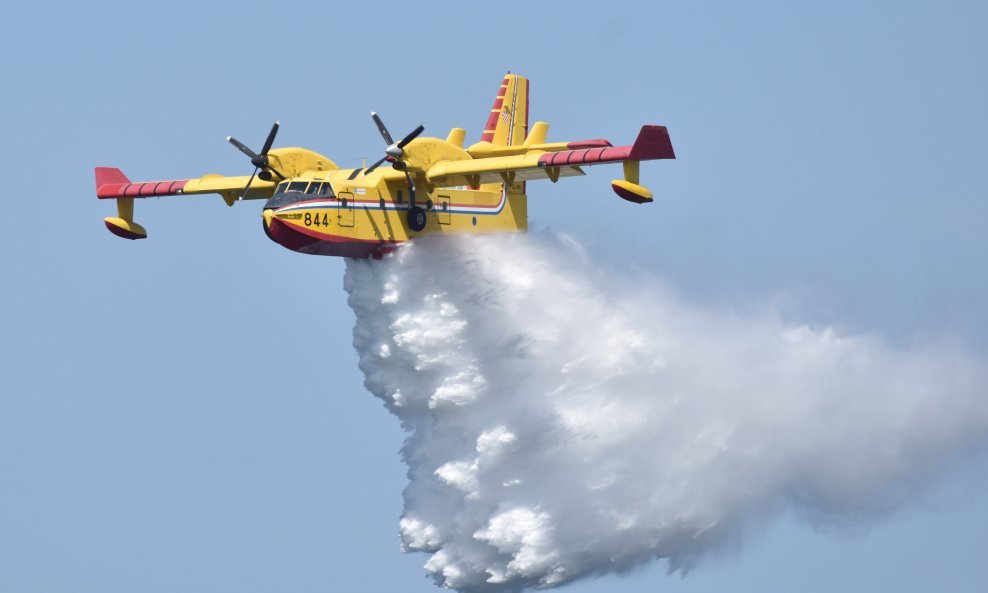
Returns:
(382,129)
(270,140)
(243,194)
(260,161)
(375,165)
(411,136)
(242,147)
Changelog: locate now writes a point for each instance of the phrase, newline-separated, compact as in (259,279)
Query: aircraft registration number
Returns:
(315,219)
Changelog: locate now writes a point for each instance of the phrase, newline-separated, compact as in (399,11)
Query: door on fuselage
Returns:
(345,209)
(443,210)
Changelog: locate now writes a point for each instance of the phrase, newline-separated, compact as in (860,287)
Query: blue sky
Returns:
(186,413)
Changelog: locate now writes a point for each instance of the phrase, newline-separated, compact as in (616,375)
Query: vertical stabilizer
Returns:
(507,124)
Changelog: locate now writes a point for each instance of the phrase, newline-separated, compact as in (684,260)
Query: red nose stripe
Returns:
(286,235)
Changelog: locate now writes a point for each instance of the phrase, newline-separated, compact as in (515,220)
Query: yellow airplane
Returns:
(433,186)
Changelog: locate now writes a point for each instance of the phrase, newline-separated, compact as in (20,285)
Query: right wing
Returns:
(652,143)
(508,169)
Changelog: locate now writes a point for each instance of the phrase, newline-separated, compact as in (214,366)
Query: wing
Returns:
(111,183)
(508,169)
(653,143)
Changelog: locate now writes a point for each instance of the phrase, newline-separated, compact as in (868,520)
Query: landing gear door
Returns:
(443,210)
(345,206)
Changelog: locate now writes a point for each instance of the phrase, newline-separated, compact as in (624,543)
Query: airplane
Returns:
(433,186)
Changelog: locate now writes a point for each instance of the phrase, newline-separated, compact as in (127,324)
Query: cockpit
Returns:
(290,192)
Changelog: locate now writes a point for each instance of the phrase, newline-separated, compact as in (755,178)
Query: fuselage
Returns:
(352,214)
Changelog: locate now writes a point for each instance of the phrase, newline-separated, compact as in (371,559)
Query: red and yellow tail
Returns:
(508,122)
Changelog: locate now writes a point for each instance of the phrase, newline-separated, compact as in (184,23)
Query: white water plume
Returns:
(560,425)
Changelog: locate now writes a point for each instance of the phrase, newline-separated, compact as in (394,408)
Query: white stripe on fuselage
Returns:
(367,205)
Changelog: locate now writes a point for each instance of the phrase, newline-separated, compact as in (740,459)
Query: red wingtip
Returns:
(107,175)
(653,143)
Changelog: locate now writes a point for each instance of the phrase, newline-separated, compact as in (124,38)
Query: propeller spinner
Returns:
(260,161)
(392,154)
(395,149)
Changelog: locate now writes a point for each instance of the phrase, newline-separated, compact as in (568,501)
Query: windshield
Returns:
(290,192)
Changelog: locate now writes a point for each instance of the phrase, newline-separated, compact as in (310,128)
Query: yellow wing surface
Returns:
(502,169)
(547,161)
(111,183)
(510,152)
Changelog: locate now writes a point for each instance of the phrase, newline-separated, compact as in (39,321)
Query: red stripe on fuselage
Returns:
(303,240)
(335,203)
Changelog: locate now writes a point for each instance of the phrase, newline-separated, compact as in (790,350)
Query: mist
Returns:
(561,424)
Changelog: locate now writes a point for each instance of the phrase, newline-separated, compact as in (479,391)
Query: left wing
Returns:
(111,183)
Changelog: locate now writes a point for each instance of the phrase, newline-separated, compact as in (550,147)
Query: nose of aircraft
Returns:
(267,215)
(283,233)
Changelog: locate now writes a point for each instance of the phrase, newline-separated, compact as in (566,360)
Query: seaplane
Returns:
(421,186)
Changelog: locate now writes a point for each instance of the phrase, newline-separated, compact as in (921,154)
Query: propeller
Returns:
(395,149)
(260,161)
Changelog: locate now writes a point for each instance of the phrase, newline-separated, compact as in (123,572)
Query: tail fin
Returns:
(508,121)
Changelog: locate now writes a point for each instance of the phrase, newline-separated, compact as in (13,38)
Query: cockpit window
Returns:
(313,189)
(297,186)
(326,189)
(282,187)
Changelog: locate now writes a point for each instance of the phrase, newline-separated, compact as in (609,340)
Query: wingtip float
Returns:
(432,186)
